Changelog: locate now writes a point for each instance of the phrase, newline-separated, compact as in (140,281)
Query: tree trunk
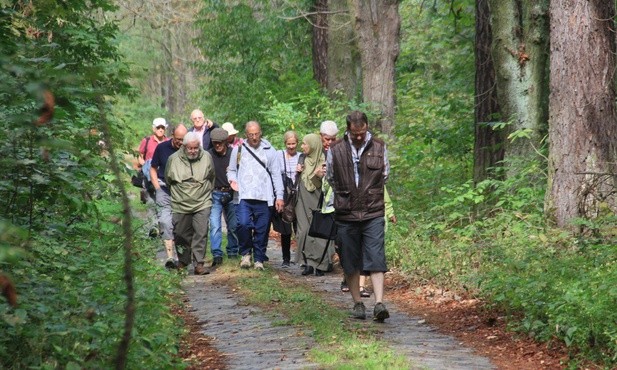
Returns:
(377,25)
(320,42)
(344,65)
(488,147)
(582,123)
(520,43)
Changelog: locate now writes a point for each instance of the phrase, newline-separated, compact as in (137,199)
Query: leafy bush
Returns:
(71,308)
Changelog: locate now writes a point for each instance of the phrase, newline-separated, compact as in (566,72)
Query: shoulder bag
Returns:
(322,225)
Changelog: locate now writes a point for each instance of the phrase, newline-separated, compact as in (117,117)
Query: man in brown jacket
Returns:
(357,167)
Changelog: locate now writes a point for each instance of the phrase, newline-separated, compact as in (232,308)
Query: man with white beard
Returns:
(190,177)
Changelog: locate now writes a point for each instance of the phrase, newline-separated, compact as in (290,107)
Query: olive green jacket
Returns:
(190,182)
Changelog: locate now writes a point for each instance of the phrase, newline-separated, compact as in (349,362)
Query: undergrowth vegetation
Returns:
(60,230)
(71,302)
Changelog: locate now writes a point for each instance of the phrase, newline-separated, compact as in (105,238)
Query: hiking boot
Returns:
(200,269)
(285,264)
(259,266)
(246,261)
(170,264)
(380,312)
(217,261)
(359,311)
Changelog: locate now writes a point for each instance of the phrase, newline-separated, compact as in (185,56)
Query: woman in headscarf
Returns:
(310,251)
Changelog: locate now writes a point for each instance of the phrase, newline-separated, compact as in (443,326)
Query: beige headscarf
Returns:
(314,159)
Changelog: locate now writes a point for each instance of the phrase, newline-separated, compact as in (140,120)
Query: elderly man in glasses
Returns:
(254,173)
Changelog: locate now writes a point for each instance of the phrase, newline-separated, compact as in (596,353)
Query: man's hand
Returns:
(279,205)
(393,219)
(234,185)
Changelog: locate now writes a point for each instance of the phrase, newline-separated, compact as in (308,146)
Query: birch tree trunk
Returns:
(520,44)
(582,123)
(377,25)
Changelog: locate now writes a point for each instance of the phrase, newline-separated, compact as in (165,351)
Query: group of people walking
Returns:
(203,174)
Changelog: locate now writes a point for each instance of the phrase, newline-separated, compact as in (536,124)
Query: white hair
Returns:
(328,128)
(190,137)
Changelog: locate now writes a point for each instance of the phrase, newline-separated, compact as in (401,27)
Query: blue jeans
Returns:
(222,205)
(253,228)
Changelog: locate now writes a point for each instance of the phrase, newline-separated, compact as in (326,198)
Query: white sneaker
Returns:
(259,266)
(246,261)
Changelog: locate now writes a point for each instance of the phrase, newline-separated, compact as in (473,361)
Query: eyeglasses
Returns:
(196,118)
(160,127)
(258,134)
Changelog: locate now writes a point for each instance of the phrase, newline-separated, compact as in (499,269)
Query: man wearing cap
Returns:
(146,150)
(163,196)
(203,127)
(232,139)
(222,197)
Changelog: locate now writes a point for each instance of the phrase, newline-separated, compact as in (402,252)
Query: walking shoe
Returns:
(380,312)
(246,261)
(364,293)
(200,269)
(259,266)
(170,264)
(359,311)
(217,261)
(285,265)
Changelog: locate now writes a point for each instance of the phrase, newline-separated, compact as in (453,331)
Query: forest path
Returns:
(250,338)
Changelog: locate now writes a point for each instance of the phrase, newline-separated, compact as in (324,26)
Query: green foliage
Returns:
(253,52)
(304,114)
(59,245)
(434,123)
(71,307)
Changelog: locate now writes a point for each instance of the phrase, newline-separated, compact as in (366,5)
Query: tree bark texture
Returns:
(377,25)
(488,145)
(344,65)
(582,121)
(320,42)
(520,44)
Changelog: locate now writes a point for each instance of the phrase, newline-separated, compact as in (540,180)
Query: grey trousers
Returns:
(163,211)
(191,235)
